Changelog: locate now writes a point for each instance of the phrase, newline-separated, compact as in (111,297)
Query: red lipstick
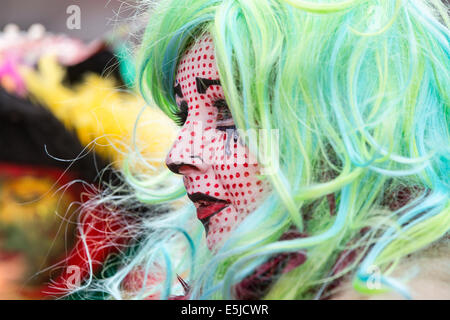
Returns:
(207,206)
(205,211)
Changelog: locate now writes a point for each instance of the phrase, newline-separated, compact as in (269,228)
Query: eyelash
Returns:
(223,114)
(181,114)
(223,111)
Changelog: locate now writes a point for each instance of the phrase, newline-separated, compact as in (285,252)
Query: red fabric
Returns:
(255,285)
(104,234)
(60,177)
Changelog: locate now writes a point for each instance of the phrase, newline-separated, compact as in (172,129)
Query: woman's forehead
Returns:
(198,61)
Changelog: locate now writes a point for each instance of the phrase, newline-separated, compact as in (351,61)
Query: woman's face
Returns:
(220,175)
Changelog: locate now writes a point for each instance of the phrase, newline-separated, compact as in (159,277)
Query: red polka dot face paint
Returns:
(220,175)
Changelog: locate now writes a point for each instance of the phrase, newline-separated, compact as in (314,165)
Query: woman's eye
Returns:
(223,112)
(182,114)
(224,117)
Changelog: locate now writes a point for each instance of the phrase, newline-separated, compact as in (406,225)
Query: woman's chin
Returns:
(220,227)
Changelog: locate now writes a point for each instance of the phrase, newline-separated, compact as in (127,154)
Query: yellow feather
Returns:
(102,115)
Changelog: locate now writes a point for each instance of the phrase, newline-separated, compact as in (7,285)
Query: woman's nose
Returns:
(186,157)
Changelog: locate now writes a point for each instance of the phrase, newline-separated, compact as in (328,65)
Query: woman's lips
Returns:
(205,211)
(207,206)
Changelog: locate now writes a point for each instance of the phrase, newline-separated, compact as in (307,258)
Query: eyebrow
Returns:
(178,91)
(203,84)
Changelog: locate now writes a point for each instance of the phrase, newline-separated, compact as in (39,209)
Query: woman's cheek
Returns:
(221,225)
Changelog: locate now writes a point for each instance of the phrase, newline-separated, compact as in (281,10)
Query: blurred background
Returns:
(97,16)
(68,105)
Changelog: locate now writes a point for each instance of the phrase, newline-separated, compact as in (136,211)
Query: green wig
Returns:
(358,90)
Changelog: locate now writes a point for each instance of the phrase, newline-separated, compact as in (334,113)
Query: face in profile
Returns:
(220,175)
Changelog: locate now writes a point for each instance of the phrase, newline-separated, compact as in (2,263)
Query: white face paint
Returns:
(224,191)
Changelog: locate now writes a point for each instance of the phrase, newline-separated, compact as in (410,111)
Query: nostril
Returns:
(174,167)
(179,167)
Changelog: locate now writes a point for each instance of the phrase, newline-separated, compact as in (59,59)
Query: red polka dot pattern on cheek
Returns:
(201,156)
